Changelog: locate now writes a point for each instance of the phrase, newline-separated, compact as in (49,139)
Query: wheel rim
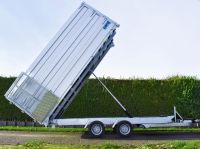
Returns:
(125,129)
(96,129)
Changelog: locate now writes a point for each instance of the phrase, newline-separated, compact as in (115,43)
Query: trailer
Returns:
(50,84)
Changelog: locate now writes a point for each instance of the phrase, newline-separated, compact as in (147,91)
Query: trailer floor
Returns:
(16,137)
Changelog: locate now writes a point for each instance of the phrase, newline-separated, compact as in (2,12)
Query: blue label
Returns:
(106,25)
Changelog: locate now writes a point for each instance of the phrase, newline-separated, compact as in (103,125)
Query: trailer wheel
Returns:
(124,129)
(96,129)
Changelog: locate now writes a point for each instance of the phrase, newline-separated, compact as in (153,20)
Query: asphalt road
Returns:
(15,137)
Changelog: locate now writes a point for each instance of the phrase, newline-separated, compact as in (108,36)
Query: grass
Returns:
(174,145)
(41,129)
(48,129)
(167,145)
(168,129)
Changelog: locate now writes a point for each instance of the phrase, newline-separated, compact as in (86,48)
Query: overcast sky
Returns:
(157,38)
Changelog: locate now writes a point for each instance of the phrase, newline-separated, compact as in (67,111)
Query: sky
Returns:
(156,38)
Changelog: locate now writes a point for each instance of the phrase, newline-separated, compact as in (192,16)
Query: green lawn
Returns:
(49,129)
(40,129)
(167,145)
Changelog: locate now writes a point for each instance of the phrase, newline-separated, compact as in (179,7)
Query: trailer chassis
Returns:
(123,125)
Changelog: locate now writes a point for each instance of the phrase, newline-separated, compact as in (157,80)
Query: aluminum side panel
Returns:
(59,48)
(71,55)
(58,67)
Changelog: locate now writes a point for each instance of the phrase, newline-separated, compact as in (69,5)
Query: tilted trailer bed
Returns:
(50,84)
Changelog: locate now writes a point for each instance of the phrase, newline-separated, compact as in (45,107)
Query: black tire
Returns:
(96,129)
(124,129)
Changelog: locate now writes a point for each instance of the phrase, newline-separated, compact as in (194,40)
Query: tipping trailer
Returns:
(50,84)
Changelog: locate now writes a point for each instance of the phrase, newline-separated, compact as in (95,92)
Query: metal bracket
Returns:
(177,114)
(117,101)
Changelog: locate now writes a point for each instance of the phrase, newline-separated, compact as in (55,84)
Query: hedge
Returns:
(150,97)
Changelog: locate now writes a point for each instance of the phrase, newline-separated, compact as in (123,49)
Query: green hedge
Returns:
(141,97)
(8,111)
